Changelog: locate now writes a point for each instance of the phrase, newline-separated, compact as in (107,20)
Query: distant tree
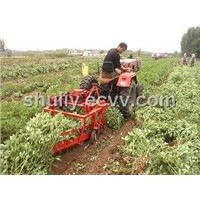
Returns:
(2,45)
(176,53)
(9,53)
(101,51)
(190,42)
(139,52)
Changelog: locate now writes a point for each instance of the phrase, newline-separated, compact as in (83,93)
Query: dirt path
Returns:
(92,160)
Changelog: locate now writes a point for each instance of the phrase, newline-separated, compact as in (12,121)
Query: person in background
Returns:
(184,59)
(193,60)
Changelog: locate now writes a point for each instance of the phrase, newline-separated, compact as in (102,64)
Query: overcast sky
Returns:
(152,25)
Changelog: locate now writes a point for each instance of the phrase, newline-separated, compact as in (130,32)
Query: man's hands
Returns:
(118,70)
(123,69)
(129,70)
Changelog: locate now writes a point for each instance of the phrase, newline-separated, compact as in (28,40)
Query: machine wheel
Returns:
(139,90)
(86,82)
(93,137)
(127,106)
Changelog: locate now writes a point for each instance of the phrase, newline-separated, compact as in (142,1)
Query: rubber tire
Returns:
(139,90)
(87,81)
(129,108)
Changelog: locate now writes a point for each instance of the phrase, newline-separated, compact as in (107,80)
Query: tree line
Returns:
(190,42)
(2,45)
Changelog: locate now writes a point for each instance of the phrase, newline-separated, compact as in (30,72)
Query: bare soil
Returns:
(91,161)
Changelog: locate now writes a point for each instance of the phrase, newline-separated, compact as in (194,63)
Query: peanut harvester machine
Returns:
(92,116)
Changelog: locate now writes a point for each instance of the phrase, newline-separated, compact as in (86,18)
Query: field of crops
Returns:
(166,142)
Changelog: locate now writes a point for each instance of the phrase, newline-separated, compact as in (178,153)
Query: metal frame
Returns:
(95,111)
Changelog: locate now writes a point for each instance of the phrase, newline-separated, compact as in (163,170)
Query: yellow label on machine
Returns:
(85,69)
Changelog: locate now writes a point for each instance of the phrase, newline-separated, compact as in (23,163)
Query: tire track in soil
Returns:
(91,161)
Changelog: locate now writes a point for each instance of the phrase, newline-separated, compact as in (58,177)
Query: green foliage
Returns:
(29,151)
(169,137)
(20,71)
(154,72)
(114,118)
(14,116)
(190,42)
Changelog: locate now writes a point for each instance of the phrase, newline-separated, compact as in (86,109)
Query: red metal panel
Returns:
(125,79)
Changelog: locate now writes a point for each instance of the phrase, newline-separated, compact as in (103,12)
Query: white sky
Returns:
(153,25)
